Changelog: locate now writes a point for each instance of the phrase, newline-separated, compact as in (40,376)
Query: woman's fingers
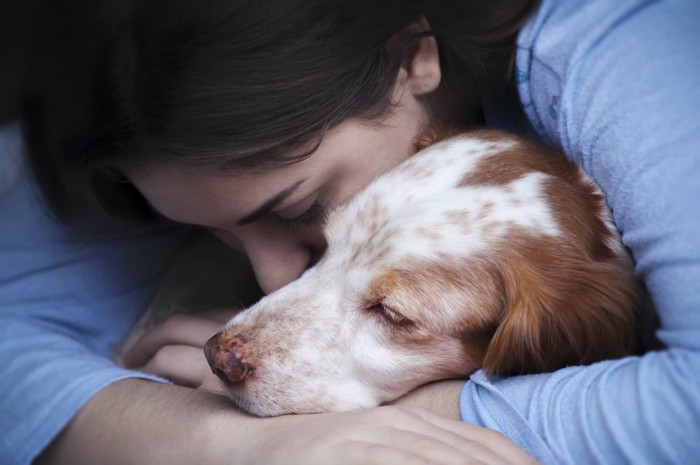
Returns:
(180,329)
(388,435)
(440,440)
(379,454)
(446,441)
(173,349)
(486,444)
(436,445)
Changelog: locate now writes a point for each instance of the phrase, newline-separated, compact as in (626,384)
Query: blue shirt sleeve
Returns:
(68,295)
(616,86)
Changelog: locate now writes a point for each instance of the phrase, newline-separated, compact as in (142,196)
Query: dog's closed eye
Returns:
(390,315)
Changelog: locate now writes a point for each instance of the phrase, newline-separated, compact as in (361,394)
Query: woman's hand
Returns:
(383,435)
(173,349)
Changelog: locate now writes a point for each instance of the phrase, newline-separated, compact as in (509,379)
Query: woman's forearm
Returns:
(135,421)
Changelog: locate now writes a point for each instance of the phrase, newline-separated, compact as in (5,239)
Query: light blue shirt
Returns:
(612,83)
(616,86)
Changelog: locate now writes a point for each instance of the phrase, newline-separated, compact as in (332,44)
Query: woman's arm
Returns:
(136,421)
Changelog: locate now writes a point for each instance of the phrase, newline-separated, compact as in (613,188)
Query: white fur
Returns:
(336,356)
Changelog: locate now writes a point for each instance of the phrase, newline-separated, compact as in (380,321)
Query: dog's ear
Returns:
(561,312)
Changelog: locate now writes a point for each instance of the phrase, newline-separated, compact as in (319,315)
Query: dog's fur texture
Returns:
(481,251)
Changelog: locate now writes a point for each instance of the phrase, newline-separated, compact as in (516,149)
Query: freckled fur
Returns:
(496,253)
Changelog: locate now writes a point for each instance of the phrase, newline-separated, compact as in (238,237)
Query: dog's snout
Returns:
(224,361)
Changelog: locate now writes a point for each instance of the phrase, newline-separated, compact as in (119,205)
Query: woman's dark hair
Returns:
(239,84)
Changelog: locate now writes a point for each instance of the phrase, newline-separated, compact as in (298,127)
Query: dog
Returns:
(481,251)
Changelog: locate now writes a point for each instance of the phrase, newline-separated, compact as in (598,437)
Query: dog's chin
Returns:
(262,405)
(272,409)
(261,409)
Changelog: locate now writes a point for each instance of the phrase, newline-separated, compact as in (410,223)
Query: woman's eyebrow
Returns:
(269,204)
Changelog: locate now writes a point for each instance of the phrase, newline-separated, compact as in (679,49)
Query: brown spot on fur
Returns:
(369,218)
(356,248)
(579,208)
(562,308)
(379,256)
(577,204)
(459,217)
(512,163)
(428,233)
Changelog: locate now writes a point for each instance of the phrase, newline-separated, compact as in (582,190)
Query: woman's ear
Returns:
(421,65)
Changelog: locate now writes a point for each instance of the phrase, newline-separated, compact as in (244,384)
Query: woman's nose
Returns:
(279,259)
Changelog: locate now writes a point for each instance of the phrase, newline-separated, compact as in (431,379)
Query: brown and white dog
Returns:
(481,251)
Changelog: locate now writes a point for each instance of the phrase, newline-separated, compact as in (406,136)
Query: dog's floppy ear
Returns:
(561,312)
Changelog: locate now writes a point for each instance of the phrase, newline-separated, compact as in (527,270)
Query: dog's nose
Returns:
(224,362)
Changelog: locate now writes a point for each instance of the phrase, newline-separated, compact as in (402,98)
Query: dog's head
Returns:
(480,251)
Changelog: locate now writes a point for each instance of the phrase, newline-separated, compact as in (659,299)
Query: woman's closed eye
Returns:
(315,214)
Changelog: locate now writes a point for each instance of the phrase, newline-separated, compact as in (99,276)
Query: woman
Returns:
(251,120)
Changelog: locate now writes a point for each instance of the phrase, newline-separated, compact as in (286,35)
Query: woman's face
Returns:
(276,217)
